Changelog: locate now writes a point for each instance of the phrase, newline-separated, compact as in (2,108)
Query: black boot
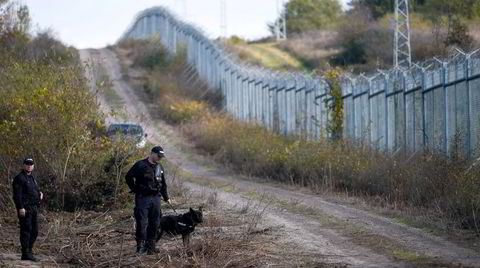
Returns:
(141,249)
(28,256)
(24,253)
(33,257)
(151,249)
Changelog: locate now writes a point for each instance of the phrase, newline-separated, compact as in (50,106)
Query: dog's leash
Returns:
(171,206)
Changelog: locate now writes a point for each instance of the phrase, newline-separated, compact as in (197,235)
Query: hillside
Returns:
(358,44)
(267,55)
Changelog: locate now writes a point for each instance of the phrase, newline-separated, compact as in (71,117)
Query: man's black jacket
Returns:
(142,179)
(26,193)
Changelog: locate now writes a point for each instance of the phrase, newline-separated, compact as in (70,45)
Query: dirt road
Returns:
(325,231)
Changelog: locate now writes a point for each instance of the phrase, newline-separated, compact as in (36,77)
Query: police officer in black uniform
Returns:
(27,196)
(147,180)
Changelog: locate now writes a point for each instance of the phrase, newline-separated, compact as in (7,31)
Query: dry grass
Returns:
(227,238)
(107,240)
(314,49)
(266,55)
(446,188)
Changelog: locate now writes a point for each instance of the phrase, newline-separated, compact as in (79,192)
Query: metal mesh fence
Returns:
(434,105)
(475,117)
(439,114)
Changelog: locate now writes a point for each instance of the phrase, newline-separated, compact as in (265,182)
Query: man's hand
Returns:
(41,196)
(168,201)
(22,212)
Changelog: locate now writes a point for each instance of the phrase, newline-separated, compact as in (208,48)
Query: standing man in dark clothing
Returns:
(27,196)
(147,180)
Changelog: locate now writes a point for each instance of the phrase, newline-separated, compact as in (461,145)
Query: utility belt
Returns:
(31,203)
(30,206)
(148,192)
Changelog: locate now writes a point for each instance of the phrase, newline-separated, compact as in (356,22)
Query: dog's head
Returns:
(196,215)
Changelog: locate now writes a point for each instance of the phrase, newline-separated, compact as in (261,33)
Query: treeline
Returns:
(47,111)
(364,32)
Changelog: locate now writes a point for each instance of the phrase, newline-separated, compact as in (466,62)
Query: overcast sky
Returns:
(97,23)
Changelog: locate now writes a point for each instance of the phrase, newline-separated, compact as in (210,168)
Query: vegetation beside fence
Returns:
(447,188)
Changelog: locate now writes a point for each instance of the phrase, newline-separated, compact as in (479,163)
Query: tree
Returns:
(380,8)
(357,21)
(308,15)
(14,23)
(47,111)
(455,8)
(451,14)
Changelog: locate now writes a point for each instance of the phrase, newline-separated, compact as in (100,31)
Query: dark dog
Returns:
(182,224)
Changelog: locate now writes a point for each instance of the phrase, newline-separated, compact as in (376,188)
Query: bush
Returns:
(181,110)
(313,49)
(47,111)
(149,54)
(164,86)
(46,49)
(353,53)
(236,40)
(151,57)
(446,187)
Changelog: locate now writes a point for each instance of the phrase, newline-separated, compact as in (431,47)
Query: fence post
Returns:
(290,105)
(299,119)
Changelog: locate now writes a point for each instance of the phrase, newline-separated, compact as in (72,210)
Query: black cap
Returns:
(158,150)
(28,161)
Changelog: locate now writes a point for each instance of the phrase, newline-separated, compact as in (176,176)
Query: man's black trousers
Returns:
(28,228)
(147,216)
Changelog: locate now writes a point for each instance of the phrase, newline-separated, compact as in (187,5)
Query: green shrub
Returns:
(236,40)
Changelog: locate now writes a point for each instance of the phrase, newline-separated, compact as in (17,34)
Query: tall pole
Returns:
(402,50)
(223,19)
(184,2)
(281,23)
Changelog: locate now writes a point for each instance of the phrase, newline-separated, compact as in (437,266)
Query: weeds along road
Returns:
(322,230)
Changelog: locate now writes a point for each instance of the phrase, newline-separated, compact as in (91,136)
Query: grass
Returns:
(410,256)
(267,55)
(105,87)
(228,237)
(356,233)
(429,182)
(272,57)
(210,183)
(408,221)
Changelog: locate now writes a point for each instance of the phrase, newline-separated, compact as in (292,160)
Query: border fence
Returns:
(434,105)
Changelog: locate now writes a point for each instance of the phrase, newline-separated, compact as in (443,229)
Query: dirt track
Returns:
(323,230)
